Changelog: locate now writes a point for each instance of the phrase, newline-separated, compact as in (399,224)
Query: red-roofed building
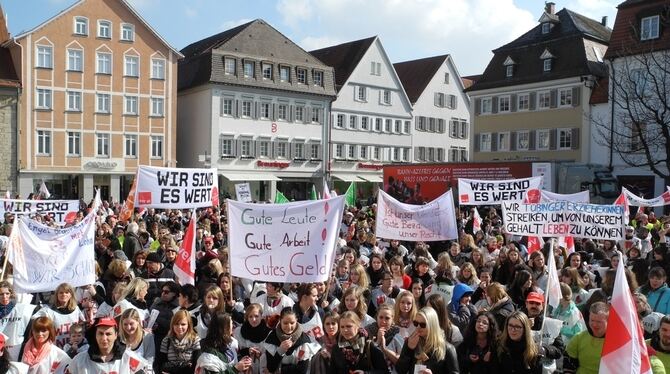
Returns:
(9,93)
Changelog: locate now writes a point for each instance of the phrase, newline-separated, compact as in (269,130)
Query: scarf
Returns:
(183,349)
(255,334)
(33,356)
(294,336)
(6,309)
(352,350)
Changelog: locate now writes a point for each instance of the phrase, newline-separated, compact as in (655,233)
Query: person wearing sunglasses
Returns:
(517,351)
(426,351)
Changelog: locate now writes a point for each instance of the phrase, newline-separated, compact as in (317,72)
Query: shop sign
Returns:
(362,165)
(273,164)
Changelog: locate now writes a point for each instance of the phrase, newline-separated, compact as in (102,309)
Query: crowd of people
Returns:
(472,305)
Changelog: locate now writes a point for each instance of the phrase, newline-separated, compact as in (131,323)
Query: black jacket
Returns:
(502,311)
(274,360)
(448,365)
(511,361)
(371,361)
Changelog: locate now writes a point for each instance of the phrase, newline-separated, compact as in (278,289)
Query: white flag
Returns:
(44,191)
(553,286)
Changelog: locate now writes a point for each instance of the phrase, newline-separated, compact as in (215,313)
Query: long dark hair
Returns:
(470,335)
(219,334)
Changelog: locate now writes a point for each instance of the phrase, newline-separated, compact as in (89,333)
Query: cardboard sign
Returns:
(430,222)
(243,192)
(564,218)
(292,242)
(489,192)
(61,211)
(176,188)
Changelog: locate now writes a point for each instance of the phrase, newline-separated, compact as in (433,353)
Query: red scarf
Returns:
(33,356)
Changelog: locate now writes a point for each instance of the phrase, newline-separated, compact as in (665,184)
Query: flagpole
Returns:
(4,262)
(546,302)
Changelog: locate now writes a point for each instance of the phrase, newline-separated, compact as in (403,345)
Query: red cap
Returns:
(107,321)
(2,341)
(536,297)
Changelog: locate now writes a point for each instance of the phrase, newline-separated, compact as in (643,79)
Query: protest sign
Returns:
(291,242)
(634,200)
(243,192)
(44,257)
(579,197)
(430,222)
(170,188)
(564,218)
(489,192)
(61,211)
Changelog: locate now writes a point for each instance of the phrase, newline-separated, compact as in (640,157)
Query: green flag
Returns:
(312,193)
(350,195)
(280,198)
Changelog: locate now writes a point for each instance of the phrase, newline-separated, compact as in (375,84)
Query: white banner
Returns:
(634,200)
(44,257)
(61,211)
(176,188)
(243,192)
(292,242)
(564,218)
(490,192)
(579,197)
(434,221)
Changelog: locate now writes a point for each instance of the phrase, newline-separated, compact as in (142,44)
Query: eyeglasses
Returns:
(514,327)
(423,325)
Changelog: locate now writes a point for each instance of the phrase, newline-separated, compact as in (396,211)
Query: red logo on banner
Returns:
(144,198)
(465,198)
(533,196)
(215,197)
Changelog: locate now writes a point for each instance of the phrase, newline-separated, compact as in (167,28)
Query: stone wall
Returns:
(8,141)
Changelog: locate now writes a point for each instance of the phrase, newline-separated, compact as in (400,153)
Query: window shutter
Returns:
(220,106)
(237,109)
(575,96)
(257,147)
(437,99)
(291,114)
(476,145)
(494,104)
(494,142)
(252,148)
(512,141)
(237,147)
(552,139)
(273,115)
(453,101)
(308,114)
(512,102)
(575,138)
(532,97)
(273,152)
(254,112)
(478,106)
(553,99)
(440,125)
(452,127)
(531,140)
(355,93)
(416,124)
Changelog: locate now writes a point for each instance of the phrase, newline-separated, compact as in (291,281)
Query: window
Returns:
(546,27)
(340,121)
(73,143)
(503,104)
(649,28)
(388,125)
(265,110)
(316,115)
(386,97)
(396,154)
(485,142)
(43,142)
(102,145)
(364,123)
(130,106)
(564,138)
(542,139)
(132,66)
(522,140)
(226,146)
(230,66)
(246,147)
(246,109)
(463,134)
(565,97)
(284,73)
(249,69)
(314,152)
(130,145)
(81,26)
(446,78)
(407,126)
(378,124)
(440,100)
(440,154)
(44,57)
(398,126)
(157,106)
(263,148)
(156,146)
(157,68)
(375,68)
(363,152)
(451,101)
(353,122)
(405,154)
(361,93)
(74,101)
(421,123)
(503,141)
(546,64)
(339,150)
(351,155)
(431,154)
(282,112)
(103,63)
(227,107)
(432,124)
(486,105)
(420,153)
(102,103)
(509,71)
(75,59)
(267,70)
(523,102)
(453,128)
(104,29)
(543,99)
(301,75)
(299,150)
(43,98)
(376,153)
(317,77)
(300,113)
(127,32)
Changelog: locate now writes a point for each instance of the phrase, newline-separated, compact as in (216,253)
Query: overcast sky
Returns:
(409,29)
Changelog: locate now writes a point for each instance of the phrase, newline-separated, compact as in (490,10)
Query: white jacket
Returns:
(130,363)
(56,359)
(62,322)
(14,325)
(208,361)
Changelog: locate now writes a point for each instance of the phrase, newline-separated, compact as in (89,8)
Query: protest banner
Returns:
(44,257)
(634,200)
(434,221)
(61,211)
(564,218)
(489,192)
(579,197)
(291,242)
(170,188)
(243,192)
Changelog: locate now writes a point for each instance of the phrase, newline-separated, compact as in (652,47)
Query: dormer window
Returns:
(649,28)
(509,67)
(546,27)
(546,58)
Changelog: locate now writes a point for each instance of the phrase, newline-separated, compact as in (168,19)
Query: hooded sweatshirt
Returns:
(459,314)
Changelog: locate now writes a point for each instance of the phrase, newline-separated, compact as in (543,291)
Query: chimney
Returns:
(549,7)
(604,21)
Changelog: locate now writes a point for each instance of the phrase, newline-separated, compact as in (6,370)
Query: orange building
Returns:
(98,99)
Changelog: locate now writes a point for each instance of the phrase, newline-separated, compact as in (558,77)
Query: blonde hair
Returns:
(386,307)
(131,313)
(183,315)
(496,292)
(363,280)
(566,292)
(434,343)
(396,308)
(361,307)
(473,278)
(133,288)
(66,287)
(221,307)
(530,355)
(444,261)
(352,316)
(117,268)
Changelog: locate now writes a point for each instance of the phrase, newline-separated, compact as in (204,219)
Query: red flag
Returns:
(184,265)
(567,242)
(624,345)
(476,222)
(326,193)
(535,243)
(129,205)
(623,200)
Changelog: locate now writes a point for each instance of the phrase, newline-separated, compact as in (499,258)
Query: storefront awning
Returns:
(372,178)
(347,177)
(239,177)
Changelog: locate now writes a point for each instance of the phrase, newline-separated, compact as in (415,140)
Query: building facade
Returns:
(255,106)
(10,87)
(532,102)
(98,99)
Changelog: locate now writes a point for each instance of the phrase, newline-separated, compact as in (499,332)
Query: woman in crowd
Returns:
(477,260)
(115,274)
(426,349)
(422,272)
(508,268)
(307,311)
(501,305)
(139,265)
(179,350)
(321,361)
(212,306)
(521,286)
(251,334)
(274,300)
(417,288)
(219,355)
(376,269)
(479,346)
(135,338)
(287,349)
(353,353)
(40,352)
(567,311)
(446,270)
(404,312)
(400,279)
(570,276)
(63,312)
(451,332)
(14,319)
(359,277)
(386,335)
(106,309)
(517,351)
(354,302)
(384,293)
(538,269)
(133,298)
(468,275)
(234,306)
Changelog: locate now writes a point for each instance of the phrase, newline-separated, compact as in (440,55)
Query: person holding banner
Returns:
(274,300)
(307,312)
(14,319)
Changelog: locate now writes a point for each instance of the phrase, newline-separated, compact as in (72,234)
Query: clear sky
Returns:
(409,29)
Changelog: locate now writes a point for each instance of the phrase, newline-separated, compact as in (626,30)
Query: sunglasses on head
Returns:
(423,325)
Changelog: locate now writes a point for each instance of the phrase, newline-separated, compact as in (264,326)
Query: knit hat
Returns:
(154,257)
